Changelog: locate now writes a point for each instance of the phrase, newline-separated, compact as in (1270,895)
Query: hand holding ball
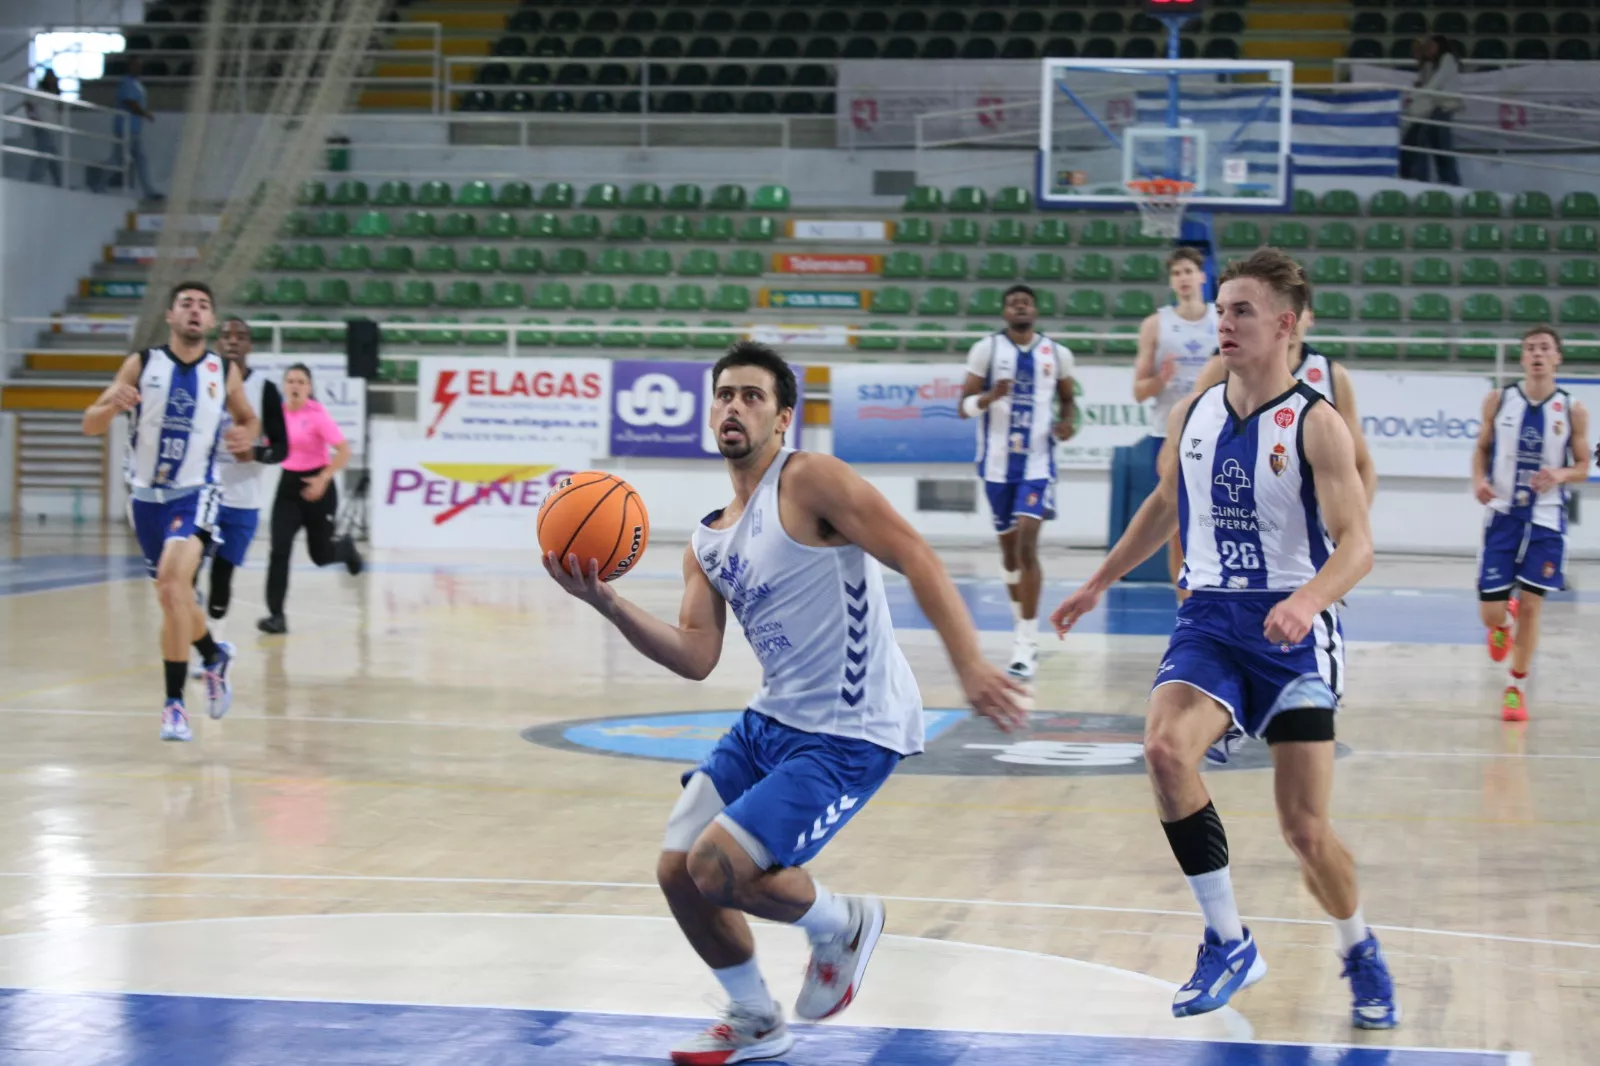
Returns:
(599,518)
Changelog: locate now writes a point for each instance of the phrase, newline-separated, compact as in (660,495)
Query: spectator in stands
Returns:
(44,140)
(132,113)
(1440,75)
(1414,164)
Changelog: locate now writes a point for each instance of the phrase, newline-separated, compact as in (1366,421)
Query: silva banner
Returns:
(345,397)
(464,495)
(539,401)
(662,410)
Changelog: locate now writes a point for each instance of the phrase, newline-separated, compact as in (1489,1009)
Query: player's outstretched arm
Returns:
(121,395)
(828,489)
(1343,501)
(1351,414)
(1483,453)
(689,649)
(1150,528)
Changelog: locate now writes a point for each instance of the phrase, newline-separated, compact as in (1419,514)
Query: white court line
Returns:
(651,886)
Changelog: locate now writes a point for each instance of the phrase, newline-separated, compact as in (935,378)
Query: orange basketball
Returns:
(595,515)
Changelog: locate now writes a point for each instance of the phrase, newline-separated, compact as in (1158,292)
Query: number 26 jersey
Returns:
(1247,504)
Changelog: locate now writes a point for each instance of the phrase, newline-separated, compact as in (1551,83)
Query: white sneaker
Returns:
(1024,660)
(174,723)
(833,980)
(219,690)
(197,669)
(741,1036)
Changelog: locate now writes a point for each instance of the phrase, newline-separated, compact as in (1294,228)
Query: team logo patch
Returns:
(211,364)
(1278,460)
(1522,497)
(1314,375)
(1284,417)
(1549,569)
(1558,427)
(177,524)
(1033,499)
(1556,407)
(211,390)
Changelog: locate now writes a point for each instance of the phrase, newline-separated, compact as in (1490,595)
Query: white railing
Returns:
(56,134)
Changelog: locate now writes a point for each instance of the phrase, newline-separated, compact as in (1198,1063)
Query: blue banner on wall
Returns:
(900,413)
(661,408)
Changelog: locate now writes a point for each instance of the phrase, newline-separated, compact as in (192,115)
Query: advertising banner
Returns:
(117,290)
(464,495)
(827,264)
(812,300)
(1587,392)
(1108,418)
(805,336)
(836,230)
(1421,425)
(145,253)
(543,401)
(662,409)
(345,397)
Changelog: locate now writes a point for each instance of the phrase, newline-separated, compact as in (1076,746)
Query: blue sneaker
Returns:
(219,690)
(1221,969)
(174,723)
(1374,1006)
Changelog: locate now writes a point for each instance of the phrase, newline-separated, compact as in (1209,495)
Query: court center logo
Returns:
(1057,743)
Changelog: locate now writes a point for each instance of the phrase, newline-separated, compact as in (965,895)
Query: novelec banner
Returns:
(1421,425)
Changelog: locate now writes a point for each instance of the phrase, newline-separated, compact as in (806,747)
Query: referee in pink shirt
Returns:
(307,496)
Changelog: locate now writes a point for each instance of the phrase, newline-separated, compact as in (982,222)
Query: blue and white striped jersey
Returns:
(1528,437)
(1014,439)
(177,427)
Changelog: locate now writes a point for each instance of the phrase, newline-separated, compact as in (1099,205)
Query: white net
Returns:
(1162,205)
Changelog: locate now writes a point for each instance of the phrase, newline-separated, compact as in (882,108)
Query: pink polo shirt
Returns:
(312,435)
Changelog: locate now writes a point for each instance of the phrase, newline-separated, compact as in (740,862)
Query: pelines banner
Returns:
(449,494)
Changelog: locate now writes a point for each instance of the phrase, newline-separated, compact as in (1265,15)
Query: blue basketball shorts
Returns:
(236,528)
(791,790)
(1009,499)
(178,519)
(1219,647)
(1518,552)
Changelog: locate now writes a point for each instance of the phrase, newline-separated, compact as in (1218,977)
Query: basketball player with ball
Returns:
(796,556)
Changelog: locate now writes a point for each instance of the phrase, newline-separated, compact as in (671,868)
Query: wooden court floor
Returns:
(446,786)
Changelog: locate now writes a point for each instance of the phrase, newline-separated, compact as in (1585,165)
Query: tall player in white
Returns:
(1533,444)
(1175,344)
(1015,380)
(796,556)
(1259,476)
(180,394)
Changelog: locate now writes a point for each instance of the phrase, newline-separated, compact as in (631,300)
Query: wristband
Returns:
(970,406)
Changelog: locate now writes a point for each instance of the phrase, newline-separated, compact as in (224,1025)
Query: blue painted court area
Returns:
(44,573)
(98,1029)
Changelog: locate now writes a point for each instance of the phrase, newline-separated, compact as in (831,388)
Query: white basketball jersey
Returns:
(1014,438)
(1190,345)
(178,424)
(1247,506)
(818,620)
(241,481)
(1316,370)
(1529,437)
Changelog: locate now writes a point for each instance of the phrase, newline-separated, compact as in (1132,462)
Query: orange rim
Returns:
(1161,187)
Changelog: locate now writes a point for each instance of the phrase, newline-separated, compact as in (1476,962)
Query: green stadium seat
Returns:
(1340,202)
(1429,307)
(331,292)
(684,197)
(1092,267)
(253,292)
(770,198)
(433,194)
(1374,349)
(1330,305)
(1434,203)
(1141,266)
(1380,236)
(1529,237)
(1580,354)
(1481,203)
(644,196)
(580,339)
(329,224)
(986,303)
(969,198)
(1327,346)
(613,261)
(1475,351)
(1532,205)
(1305,202)
(550,296)
(1046,266)
(866,342)
(481,260)
(997,266)
(458,225)
(1045,301)
(1013,199)
(1240,234)
(272,257)
(392,335)
(654,262)
(940,300)
(556,196)
(669,338)
(1482,307)
(641,296)
(295,224)
(1438,348)
(627,228)
(959,231)
(602,196)
(1007,231)
(727,198)
(1577,237)
(305,258)
(1085,303)
(1579,272)
(620,338)
(744,263)
(923,198)
(1528,307)
(596,296)
(672,228)
(1330,270)
(1527,272)
(1134,236)
(1380,307)
(892,300)
(462,294)
(439,259)
(1099,233)
(475,194)
(393,194)
(1133,303)
(505,294)
(1292,235)
(700,263)
(486,336)
(712,340)
(371,224)
(374,292)
(1581,205)
(524,260)
(1388,203)
(729,298)
(1480,271)
(1383,270)
(713,228)
(307,335)
(1122,347)
(686,297)
(757,228)
(935,342)
(415,292)
(1051,232)
(1582,309)
(514,196)
(1432,236)
(499,226)
(913,231)
(543,226)
(581,227)
(311,194)
(947,266)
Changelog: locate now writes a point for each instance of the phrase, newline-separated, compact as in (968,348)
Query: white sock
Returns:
(1016,611)
(216,626)
(1214,893)
(828,916)
(745,986)
(1027,630)
(1351,930)
(1520,682)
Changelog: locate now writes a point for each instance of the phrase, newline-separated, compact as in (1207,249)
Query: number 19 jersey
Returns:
(1247,504)
(177,424)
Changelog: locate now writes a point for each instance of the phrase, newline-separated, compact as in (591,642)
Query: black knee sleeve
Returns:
(1198,841)
(1302,725)
(221,588)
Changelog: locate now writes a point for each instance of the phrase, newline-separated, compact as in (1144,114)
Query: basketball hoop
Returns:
(1162,203)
